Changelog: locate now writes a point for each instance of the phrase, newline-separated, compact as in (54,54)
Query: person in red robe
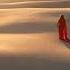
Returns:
(62,28)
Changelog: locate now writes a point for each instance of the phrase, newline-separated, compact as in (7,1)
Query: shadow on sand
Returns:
(30,27)
(31,63)
(66,43)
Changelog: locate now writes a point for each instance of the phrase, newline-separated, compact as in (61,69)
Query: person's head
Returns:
(62,16)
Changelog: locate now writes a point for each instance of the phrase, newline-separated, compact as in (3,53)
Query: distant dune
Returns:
(9,1)
(36,4)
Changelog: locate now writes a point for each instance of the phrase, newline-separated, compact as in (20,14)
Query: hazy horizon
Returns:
(5,1)
(36,4)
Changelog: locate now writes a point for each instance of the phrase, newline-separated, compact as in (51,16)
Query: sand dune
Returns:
(35,44)
(9,1)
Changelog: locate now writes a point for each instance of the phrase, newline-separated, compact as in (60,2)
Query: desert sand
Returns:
(29,39)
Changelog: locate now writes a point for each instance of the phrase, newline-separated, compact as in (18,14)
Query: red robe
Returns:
(62,28)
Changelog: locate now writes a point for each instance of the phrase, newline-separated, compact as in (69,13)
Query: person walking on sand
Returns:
(62,26)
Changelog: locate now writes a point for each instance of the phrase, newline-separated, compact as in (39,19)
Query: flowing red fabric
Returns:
(62,28)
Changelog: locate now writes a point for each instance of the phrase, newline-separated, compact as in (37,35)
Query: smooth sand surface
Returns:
(37,46)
